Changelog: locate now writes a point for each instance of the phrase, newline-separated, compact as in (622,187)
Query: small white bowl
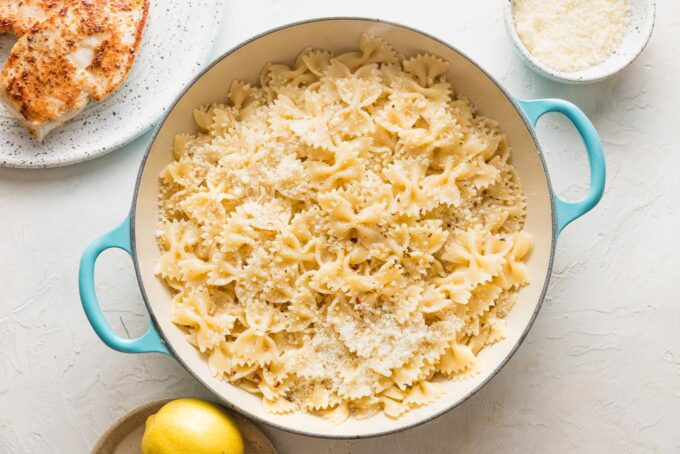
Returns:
(634,41)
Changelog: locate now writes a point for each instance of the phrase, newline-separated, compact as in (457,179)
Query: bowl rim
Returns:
(575,77)
(303,432)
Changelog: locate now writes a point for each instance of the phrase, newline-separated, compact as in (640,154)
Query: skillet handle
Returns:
(117,238)
(569,211)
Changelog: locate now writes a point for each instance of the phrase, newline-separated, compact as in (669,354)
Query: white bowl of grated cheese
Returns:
(579,41)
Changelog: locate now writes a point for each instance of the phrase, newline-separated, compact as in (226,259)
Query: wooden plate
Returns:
(125,435)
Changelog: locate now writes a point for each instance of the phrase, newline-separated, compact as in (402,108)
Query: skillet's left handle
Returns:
(570,211)
(149,342)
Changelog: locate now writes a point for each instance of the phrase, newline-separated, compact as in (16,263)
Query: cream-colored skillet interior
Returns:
(340,35)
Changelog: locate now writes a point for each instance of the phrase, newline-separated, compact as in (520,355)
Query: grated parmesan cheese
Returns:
(570,35)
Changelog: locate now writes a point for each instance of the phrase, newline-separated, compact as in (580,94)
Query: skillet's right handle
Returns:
(570,211)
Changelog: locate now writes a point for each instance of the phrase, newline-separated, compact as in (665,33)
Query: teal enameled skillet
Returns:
(547,214)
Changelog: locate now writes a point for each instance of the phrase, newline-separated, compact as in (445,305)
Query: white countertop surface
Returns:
(599,371)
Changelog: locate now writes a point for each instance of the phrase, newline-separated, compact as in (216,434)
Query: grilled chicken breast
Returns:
(82,52)
(18,16)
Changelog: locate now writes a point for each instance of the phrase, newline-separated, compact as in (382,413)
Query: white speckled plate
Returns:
(125,435)
(178,41)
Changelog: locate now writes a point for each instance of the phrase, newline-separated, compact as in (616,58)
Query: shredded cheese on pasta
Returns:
(343,233)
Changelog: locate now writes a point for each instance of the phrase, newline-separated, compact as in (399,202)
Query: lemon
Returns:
(191,426)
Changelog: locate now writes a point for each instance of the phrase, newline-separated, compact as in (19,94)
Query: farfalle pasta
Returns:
(343,234)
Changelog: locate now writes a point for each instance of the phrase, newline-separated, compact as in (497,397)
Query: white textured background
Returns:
(599,372)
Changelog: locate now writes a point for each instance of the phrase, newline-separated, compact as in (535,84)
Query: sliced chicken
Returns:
(81,53)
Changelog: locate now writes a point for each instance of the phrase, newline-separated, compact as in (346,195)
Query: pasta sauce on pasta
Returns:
(344,235)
